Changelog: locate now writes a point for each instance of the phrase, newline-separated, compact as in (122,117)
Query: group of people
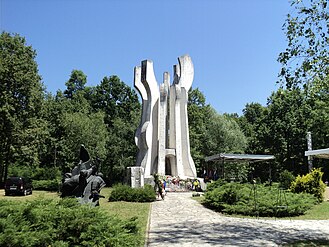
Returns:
(169,183)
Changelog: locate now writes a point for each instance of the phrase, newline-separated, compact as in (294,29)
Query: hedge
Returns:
(48,185)
(257,199)
(64,223)
(126,193)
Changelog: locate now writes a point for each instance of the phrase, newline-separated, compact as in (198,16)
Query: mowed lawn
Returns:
(124,210)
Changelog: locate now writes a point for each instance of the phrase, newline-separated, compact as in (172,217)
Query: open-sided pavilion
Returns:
(318,153)
(239,157)
(223,158)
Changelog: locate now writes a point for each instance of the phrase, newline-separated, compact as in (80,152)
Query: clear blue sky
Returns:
(233,44)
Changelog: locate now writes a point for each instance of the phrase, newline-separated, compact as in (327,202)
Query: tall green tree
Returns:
(306,56)
(288,121)
(116,99)
(122,114)
(75,84)
(318,99)
(198,115)
(80,128)
(211,133)
(252,124)
(21,97)
(280,129)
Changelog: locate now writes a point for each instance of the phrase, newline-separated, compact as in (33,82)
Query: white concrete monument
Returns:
(163,136)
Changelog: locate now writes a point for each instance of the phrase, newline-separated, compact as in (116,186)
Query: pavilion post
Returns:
(309,148)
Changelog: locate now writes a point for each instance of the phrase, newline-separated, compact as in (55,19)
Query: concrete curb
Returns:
(148,226)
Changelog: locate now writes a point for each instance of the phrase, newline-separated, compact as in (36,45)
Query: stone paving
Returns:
(181,221)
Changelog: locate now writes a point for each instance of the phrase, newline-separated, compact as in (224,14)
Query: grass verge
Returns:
(127,210)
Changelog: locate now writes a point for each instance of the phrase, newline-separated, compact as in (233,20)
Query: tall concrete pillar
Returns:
(162,136)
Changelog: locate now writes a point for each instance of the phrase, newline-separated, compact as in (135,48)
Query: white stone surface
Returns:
(162,135)
(136,176)
(147,132)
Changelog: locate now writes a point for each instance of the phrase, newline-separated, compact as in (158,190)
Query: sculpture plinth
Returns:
(163,136)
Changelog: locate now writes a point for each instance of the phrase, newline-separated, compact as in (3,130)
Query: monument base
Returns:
(135,176)
(149,180)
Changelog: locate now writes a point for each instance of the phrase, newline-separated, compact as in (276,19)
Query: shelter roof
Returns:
(318,153)
(240,157)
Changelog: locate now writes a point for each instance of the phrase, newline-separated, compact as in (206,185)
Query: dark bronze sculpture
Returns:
(84,182)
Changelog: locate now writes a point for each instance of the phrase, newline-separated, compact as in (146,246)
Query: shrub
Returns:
(310,183)
(267,201)
(48,185)
(46,173)
(285,179)
(62,223)
(126,193)
(215,184)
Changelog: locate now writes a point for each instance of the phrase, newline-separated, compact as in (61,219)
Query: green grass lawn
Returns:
(124,210)
(318,212)
(127,210)
(36,194)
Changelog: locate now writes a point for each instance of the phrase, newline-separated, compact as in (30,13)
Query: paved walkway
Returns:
(181,221)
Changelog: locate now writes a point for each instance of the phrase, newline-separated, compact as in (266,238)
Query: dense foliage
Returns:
(281,128)
(39,130)
(22,128)
(286,178)
(306,56)
(128,194)
(256,200)
(310,183)
(47,184)
(212,133)
(62,223)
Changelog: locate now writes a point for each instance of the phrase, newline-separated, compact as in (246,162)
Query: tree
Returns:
(116,99)
(307,55)
(80,128)
(288,123)
(210,133)
(318,99)
(21,97)
(251,124)
(121,149)
(224,135)
(280,129)
(75,84)
(198,115)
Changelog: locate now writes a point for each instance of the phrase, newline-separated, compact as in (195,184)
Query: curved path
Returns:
(181,221)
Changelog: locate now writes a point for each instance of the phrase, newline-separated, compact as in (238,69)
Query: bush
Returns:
(215,184)
(47,173)
(48,185)
(310,183)
(126,193)
(248,199)
(285,179)
(62,223)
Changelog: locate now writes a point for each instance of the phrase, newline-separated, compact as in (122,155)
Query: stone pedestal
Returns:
(135,176)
